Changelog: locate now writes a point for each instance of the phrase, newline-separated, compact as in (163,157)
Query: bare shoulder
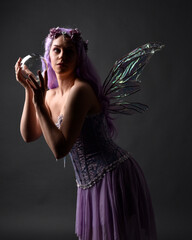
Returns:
(80,94)
(82,88)
(83,93)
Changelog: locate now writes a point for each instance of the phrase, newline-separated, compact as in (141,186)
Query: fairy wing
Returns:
(123,79)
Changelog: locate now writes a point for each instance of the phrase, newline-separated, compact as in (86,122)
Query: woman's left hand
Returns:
(39,90)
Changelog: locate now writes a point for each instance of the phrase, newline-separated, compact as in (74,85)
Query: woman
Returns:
(113,201)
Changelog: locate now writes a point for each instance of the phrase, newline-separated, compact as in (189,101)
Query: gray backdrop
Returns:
(38,196)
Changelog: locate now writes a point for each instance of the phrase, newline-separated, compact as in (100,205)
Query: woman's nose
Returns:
(61,55)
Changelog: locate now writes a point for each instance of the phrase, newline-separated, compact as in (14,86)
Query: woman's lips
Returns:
(61,64)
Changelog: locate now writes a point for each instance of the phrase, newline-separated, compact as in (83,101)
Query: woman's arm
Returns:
(29,126)
(79,102)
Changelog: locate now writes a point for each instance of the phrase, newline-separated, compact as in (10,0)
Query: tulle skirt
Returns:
(118,207)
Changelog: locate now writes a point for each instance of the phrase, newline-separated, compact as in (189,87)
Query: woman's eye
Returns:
(56,50)
(69,51)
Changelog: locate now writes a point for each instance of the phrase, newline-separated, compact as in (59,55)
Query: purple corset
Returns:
(94,153)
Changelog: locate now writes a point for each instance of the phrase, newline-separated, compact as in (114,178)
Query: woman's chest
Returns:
(56,107)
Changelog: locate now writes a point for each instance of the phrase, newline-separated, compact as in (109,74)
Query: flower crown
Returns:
(74,34)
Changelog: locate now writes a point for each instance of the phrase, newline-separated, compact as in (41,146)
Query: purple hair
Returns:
(84,69)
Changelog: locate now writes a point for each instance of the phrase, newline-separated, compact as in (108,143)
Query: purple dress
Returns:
(113,200)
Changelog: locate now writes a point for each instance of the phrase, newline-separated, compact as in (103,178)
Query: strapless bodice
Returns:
(94,152)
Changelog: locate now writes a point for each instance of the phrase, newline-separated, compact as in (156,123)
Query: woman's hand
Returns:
(39,90)
(21,73)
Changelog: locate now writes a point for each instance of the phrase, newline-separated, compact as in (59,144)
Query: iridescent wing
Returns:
(123,79)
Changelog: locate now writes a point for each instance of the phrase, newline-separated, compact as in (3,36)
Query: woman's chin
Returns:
(62,70)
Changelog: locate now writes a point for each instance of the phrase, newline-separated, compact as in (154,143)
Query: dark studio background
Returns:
(37,195)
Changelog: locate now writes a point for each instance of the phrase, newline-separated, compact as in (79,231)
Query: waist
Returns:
(91,166)
(100,175)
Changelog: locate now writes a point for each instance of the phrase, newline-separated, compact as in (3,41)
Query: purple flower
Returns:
(54,32)
(74,34)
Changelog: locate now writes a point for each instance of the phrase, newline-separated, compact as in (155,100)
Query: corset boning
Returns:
(94,153)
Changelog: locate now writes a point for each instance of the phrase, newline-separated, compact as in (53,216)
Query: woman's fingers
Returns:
(26,69)
(17,73)
(18,63)
(16,66)
(46,79)
(30,85)
(36,85)
(43,81)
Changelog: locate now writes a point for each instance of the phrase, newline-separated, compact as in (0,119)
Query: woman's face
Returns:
(63,55)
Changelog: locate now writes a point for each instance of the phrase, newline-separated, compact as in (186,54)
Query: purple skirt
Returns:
(118,207)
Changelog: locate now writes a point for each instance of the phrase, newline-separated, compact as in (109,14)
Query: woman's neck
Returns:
(65,82)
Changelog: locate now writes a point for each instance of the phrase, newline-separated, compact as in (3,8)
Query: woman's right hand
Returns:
(20,72)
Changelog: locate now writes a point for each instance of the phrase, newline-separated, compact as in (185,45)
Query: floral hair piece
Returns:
(74,34)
